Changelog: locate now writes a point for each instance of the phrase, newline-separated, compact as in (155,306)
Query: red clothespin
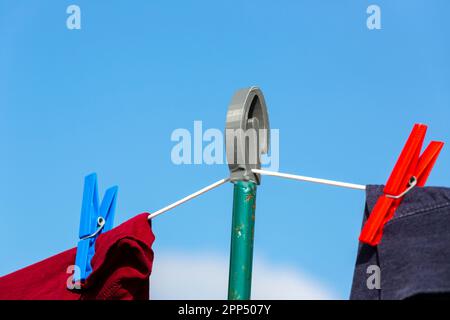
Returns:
(411,169)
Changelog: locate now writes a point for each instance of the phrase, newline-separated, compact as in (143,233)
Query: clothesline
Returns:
(189,197)
(262,172)
(310,179)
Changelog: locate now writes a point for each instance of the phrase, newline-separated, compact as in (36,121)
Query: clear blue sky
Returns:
(106,99)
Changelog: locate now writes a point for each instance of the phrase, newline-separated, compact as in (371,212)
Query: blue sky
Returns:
(106,99)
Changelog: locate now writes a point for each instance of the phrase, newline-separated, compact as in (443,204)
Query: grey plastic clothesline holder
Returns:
(247,134)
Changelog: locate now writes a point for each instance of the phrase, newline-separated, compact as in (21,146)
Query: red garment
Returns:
(121,268)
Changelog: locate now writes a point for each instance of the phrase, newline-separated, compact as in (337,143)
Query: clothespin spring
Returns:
(100,224)
(411,184)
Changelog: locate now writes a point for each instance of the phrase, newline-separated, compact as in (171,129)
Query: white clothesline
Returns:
(189,197)
(310,179)
(262,172)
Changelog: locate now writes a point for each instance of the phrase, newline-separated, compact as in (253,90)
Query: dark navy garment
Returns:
(414,254)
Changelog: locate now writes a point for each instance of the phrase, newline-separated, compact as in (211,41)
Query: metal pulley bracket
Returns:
(247,134)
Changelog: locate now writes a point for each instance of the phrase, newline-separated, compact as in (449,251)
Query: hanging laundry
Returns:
(121,268)
(412,260)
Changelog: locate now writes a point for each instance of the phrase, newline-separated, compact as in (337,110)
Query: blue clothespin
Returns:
(94,221)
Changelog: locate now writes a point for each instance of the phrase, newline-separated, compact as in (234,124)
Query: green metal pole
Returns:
(242,235)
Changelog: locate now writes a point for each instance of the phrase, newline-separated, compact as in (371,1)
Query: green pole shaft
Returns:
(242,235)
